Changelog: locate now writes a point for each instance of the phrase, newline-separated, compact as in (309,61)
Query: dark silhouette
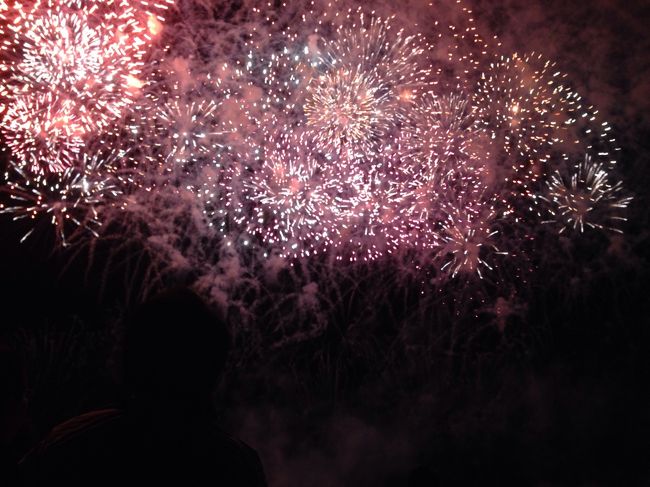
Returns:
(15,427)
(175,349)
(423,476)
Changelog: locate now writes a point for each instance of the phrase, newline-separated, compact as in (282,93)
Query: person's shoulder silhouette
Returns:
(15,425)
(175,349)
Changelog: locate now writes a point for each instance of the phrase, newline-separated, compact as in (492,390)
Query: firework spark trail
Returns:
(179,122)
(320,132)
(294,205)
(586,198)
(85,55)
(366,79)
(73,198)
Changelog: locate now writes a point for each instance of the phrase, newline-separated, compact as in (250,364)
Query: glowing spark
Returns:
(586,198)
(154,25)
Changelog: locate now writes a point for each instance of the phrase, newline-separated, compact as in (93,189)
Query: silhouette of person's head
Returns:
(175,348)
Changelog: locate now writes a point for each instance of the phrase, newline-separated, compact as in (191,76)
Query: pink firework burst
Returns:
(88,54)
(586,197)
(294,206)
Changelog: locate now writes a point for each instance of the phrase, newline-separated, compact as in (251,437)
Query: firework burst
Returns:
(524,106)
(293,206)
(72,199)
(468,237)
(365,79)
(346,111)
(328,132)
(586,197)
(87,56)
(44,128)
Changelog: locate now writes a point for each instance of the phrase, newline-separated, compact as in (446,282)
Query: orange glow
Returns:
(133,82)
(154,25)
(406,95)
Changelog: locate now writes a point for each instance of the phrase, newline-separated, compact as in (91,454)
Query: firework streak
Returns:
(334,132)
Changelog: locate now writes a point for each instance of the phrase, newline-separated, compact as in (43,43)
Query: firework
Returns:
(86,56)
(367,207)
(586,197)
(44,129)
(467,237)
(346,109)
(73,199)
(185,132)
(365,78)
(293,204)
(437,141)
(524,106)
(335,133)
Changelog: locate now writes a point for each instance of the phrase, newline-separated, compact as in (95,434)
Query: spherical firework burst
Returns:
(586,197)
(294,210)
(524,107)
(345,110)
(65,49)
(88,54)
(365,78)
(43,130)
(188,131)
(468,238)
(60,49)
(73,199)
